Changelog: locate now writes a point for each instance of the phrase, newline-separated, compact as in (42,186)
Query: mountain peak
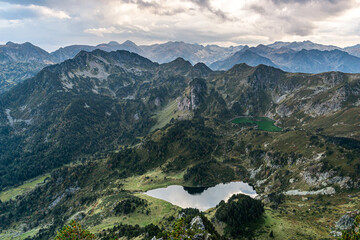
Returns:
(9,43)
(240,66)
(113,43)
(129,43)
(180,60)
(202,68)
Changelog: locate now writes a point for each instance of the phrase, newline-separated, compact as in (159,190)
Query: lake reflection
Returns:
(201,198)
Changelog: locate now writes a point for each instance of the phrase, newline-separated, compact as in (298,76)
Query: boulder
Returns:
(345,223)
(197,223)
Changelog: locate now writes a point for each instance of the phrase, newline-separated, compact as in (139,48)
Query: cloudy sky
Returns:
(54,23)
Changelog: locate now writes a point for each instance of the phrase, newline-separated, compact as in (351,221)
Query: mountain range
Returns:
(21,61)
(288,59)
(105,126)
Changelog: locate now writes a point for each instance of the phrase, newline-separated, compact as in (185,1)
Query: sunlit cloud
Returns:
(101,31)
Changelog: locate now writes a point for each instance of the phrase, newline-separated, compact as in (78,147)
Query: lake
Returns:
(199,197)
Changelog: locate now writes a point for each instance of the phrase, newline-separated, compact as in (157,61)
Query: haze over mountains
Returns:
(21,61)
(307,61)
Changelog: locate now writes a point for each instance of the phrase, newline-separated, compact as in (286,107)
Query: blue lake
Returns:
(201,198)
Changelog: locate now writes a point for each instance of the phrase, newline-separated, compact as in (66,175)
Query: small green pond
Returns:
(263,123)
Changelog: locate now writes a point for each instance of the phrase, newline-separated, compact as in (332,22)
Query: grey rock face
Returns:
(345,223)
(197,223)
(198,90)
(198,236)
(183,104)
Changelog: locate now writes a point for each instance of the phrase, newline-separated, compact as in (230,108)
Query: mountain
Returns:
(308,61)
(298,46)
(21,61)
(24,53)
(69,52)
(315,61)
(247,56)
(353,50)
(161,53)
(192,52)
(105,127)
(51,114)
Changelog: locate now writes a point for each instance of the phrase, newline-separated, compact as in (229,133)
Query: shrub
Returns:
(74,231)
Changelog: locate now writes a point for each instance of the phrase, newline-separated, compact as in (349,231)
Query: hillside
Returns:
(67,110)
(109,125)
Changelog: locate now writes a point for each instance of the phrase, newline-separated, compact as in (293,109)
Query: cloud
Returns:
(298,17)
(47,12)
(206,4)
(26,2)
(202,21)
(101,31)
(15,12)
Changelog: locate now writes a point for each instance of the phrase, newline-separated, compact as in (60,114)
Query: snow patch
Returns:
(94,90)
(96,71)
(281,98)
(86,106)
(9,118)
(129,97)
(67,85)
(12,120)
(22,108)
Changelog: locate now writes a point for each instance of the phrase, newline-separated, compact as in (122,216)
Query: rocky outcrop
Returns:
(183,103)
(332,105)
(345,223)
(198,91)
(197,223)
(324,191)
(326,178)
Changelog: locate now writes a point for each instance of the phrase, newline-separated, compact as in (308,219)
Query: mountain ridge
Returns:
(26,59)
(308,61)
